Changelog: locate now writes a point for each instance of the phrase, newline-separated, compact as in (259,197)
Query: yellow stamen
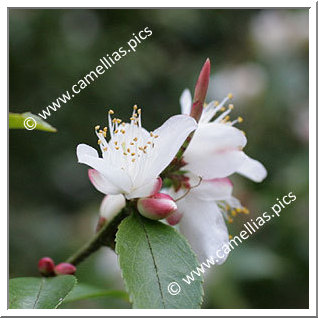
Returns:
(240,119)
(230,95)
(97,127)
(111,112)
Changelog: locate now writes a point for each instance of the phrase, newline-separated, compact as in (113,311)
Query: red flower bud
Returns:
(200,91)
(64,269)
(46,266)
(156,207)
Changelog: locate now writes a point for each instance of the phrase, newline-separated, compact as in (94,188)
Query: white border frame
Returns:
(312,158)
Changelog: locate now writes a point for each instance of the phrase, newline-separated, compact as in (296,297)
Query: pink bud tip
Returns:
(64,269)
(200,91)
(46,266)
(156,207)
(174,218)
(101,223)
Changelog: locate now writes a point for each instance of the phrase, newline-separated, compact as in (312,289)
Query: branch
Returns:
(104,237)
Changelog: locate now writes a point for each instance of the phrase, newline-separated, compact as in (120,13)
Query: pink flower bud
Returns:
(200,91)
(156,207)
(46,266)
(174,218)
(64,269)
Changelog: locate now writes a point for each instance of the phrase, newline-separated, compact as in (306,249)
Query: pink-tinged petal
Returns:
(156,207)
(252,169)
(185,102)
(146,190)
(101,183)
(214,189)
(175,217)
(200,91)
(117,177)
(111,206)
(215,151)
(204,227)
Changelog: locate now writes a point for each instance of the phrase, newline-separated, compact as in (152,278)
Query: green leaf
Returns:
(153,255)
(84,291)
(29,121)
(35,293)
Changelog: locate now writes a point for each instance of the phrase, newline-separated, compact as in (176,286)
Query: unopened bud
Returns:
(46,266)
(200,91)
(174,218)
(111,206)
(156,207)
(64,269)
(100,224)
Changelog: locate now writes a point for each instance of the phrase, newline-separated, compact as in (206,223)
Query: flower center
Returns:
(130,145)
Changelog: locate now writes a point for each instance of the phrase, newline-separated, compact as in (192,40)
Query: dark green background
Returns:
(54,208)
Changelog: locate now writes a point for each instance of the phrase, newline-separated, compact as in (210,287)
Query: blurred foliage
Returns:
(261,56)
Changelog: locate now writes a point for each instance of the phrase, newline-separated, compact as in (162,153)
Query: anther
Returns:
(99,141)
(230,95)
(97,127)
(231,106)
(135,107)
(240,119)
(111,112)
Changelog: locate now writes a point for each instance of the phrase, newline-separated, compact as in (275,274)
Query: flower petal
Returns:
(204,227)
(172,135)
(117,177)
(185,102)
(111,206)
(253,170)
(215,151)
(213,189)
(101,183)
(146,190)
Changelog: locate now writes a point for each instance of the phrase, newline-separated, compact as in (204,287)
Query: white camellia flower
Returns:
(205,197)
(133,158)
